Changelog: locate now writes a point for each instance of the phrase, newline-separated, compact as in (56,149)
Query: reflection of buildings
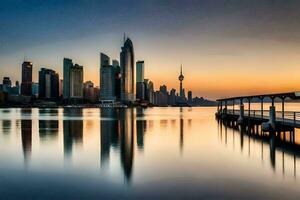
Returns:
(181,130)
(117,127)
(73,129)
(109,132)
(127,127)
(26,135)
(273,142)
(6,126)
(48,128)
(140,129)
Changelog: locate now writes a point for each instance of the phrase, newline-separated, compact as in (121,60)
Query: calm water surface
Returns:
(135,153)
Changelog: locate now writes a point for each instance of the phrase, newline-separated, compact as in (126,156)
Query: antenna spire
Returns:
(181,69)
(124,36)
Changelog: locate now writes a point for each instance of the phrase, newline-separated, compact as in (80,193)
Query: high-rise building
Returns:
(190,97)
(35,89)
(73,80)
(61,86)
(172,97)
(89,92)
(140,71)
(127,72)
(6,84)
(115,63)
(76,82)
(140,86)
(107,79)
(48,84)
(117,71)
(68,64)
(26,84)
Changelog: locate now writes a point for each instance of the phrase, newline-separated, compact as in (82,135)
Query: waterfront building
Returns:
(35,89)
(76,82)
(107,80)
(61,86)
(6,84)
(73,80)
(67,65)
(89,91)
(172,97)
(127,72)
(190,97)
(117,71)
(26,84)
(140,87)
(115,63)
(48,84)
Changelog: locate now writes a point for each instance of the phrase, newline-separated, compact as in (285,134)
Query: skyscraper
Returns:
(107,79)
(66,86)
(127,72)
(140,86)
(76,82)
(181,78)
(26,84)
(73,80)
(48,84)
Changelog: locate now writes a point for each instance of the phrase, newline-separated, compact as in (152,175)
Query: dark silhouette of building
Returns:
(127,145)
(26,135)
(26,84)
(127,72)
(110,127)
(48,84)
(73,80)
(140,86)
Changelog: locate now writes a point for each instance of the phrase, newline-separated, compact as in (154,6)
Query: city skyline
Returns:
(213,40)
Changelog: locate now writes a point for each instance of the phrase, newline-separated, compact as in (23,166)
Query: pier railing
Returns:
(280,116)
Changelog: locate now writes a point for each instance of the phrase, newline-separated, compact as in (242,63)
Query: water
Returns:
(134,153)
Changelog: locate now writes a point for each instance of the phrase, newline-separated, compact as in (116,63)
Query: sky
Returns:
(226,47)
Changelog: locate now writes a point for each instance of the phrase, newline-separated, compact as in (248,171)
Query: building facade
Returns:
(127,72)
(73,80)
(140,86)
(48,84)
(26,84)
(107,79)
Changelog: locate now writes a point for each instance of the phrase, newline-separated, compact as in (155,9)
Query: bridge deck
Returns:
(287,118)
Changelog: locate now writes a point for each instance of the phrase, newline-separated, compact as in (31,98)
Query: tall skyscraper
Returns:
(76,82)
(73,80)
(180,78)
(68,64)
(140,86)
(48,84)
(140,65)
(127,72)
(26,84)
(107,79)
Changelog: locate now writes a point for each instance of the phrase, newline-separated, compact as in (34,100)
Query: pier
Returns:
(269,119)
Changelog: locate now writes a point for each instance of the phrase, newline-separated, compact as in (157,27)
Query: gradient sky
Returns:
(226,47)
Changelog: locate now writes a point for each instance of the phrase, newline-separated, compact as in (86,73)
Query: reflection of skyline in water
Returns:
(279,147)
(72,129)
(26,135)
(117,130)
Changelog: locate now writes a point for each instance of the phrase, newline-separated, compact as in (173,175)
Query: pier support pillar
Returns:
(241,117)
(270,125)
